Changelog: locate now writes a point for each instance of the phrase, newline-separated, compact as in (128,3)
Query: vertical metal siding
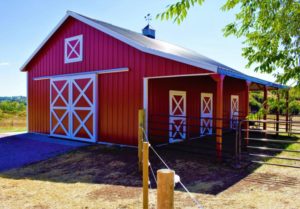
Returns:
(233,86)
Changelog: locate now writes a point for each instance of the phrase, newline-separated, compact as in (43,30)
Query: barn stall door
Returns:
(206,113)
(177,116)
(73,107)
(234,111)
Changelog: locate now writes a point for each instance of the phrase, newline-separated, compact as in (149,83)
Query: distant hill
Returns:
(21,99)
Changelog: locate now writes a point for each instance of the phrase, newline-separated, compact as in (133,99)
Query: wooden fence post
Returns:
(165,189)
(145,175)
(140,137)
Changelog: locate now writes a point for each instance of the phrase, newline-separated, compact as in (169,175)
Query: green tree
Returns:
(12,107)
(271,29)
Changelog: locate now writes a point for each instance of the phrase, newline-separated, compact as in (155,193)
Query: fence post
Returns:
(277,113)
(165,189)
(287,111)
(140,137)
(265,105)
(248,84)
(145,175)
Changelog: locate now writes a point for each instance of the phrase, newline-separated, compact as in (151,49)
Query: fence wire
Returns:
(196,202)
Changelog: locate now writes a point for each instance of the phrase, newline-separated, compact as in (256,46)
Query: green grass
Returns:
(291,147)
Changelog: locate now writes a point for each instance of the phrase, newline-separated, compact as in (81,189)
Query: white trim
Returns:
(27,109)
(203,115)
(45,40)
(126,40)
(180,75)
(145,102)
(96,110)
(115,70)
(181,117)
(67,58)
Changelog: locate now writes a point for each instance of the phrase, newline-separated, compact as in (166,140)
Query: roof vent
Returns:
(148,30)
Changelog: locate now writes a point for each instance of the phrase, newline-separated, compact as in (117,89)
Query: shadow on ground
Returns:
(194,161)
(99,164)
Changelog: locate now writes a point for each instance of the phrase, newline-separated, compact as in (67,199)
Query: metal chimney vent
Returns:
(148,30)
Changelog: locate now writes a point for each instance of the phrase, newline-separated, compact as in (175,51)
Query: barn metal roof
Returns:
(159,48)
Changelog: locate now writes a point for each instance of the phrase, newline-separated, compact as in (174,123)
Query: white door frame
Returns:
(204,123)
(71,107)
(181,117)
(234,114)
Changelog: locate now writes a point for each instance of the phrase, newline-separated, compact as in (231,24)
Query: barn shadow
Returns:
(110,165)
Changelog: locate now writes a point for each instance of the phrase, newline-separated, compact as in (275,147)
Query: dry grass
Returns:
(13,123)
(103,177)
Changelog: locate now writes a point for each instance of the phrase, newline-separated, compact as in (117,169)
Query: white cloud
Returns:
(4,64)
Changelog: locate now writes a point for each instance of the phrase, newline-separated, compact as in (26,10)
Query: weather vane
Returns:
(148,18)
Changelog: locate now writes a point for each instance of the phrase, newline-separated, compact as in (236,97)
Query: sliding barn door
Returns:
(73,107)
(60,107)
(177,116)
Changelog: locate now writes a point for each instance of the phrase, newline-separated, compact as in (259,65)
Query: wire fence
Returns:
(177,178)
(196,134)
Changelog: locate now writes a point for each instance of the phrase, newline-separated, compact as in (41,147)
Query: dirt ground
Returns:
(107,177)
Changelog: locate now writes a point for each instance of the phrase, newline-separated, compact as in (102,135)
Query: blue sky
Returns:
(24,24)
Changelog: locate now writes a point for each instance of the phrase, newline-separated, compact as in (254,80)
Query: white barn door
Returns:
(60,107)
(73,104)
(206,113)
(234,111)
(177,116)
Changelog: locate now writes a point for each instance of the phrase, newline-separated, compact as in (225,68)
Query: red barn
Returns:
(88,79)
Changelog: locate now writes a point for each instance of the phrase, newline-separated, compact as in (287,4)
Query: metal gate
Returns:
(270,146)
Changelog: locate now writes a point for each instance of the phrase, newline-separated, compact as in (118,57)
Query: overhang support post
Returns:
(219,79)
(247,108)
(287,110)
(265,105)
(277,112)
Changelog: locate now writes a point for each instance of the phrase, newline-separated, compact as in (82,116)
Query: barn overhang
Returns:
(258,83)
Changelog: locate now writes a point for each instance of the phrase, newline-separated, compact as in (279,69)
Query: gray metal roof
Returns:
(165,47)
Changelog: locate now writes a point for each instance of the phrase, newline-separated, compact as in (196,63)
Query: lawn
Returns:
(106,177)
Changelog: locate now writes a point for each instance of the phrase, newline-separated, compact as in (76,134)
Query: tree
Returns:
(271,29)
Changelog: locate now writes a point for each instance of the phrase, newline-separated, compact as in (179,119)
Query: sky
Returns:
(24,24)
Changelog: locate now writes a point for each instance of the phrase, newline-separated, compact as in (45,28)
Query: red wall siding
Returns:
(234,86)
(159,103)
(120,94)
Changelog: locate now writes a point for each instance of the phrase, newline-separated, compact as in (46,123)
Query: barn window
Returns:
(73,49)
